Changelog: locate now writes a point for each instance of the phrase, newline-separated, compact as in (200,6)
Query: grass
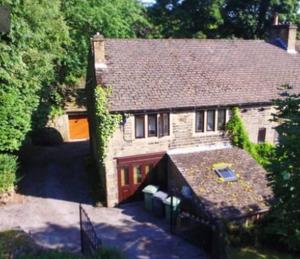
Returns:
(258,253)
(17,244)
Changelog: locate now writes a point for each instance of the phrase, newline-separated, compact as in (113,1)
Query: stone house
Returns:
(175,97)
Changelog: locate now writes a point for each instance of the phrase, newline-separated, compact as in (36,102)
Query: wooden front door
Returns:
(78,127)
(133,172)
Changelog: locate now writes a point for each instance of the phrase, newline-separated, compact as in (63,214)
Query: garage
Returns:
(78,127)
(136,171)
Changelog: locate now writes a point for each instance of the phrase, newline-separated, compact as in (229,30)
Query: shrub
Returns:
(263,153)
(109,253)
(8,169)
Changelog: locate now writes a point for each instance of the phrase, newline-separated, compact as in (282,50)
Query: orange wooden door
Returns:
(78,127)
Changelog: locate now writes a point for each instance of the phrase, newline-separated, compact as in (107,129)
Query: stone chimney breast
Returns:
(99,51)
(284,35)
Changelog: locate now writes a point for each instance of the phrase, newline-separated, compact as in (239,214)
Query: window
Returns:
(137,174)
(124,176)
(227,174)
(200,121)
(210,120)
(148,168)
(139,126)
(164,124)
(221,119)
(261,135)
(152,125)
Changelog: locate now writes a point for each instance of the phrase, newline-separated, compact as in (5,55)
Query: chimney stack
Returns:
(284,35)
(98,51)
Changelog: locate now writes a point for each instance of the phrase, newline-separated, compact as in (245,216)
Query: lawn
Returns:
(257,253)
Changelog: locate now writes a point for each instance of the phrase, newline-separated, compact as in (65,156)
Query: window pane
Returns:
(166,124)
(261,135)
(148,168)
(221,119)
(139,126)
(152,125)
(210,120)
(124,176)
(200,121)
(137,174)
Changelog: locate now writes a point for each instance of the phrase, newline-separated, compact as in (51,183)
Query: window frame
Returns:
(156,125)
(214,120)
(231,178)
(225,117)
(135,126)
(262,131)
(203,121)
(162,123)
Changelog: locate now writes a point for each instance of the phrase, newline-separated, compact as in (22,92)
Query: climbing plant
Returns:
(106,122)
(262,152)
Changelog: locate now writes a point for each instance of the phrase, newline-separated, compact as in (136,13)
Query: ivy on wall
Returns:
(262,152)
(106,122)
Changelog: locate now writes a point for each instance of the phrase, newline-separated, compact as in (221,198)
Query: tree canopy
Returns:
(283,221)
(220,18)
(46,49)
(29,55)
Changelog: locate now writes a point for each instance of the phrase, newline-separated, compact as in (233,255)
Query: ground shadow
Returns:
(57,172)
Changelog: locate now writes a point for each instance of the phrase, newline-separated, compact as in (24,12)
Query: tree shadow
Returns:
(56,172)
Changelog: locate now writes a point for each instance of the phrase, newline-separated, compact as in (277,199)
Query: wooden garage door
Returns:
(133,171)
(78,127)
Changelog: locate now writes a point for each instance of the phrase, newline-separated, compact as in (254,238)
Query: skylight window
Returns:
(227,174)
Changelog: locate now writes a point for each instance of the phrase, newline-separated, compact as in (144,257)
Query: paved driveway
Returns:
(56,182)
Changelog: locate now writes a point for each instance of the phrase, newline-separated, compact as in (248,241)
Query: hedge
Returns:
(8,169)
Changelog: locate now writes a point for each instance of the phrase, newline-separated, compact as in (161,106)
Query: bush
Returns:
(8,169)
(108,253)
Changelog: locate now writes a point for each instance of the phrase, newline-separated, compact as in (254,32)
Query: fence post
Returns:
(81,231)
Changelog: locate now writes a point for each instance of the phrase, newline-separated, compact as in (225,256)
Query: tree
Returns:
(283,222)
(251,19)
(114,18)
(29,55)
(247,19)
(187,18)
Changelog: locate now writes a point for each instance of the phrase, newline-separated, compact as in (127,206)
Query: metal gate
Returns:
(89,239)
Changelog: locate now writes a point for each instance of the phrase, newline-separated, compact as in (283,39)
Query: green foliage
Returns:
(28,56)
(263,153)
(282,224)
(257,253)
(220,18)
(106,122)
(238,133)
(252,18)
(114,18)
(187,18)
(8,170)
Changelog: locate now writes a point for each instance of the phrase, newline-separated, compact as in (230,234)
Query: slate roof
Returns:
(178,73)
(226,200)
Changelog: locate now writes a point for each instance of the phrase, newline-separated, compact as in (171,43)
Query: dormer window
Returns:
(227,174)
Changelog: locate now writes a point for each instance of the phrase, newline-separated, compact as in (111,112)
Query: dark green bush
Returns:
(263,153)
(8,169)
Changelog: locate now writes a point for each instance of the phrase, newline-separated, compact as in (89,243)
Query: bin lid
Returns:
(176,201)
(150,189)
(160,195)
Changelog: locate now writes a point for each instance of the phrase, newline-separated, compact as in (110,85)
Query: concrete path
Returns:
(56,183)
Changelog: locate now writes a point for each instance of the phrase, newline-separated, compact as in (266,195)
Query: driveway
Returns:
(56,182)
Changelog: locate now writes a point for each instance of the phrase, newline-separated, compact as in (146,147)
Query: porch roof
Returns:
(250,194)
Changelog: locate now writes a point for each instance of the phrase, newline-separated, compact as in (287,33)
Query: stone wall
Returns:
(182,135)
(61,124)
(259,117)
